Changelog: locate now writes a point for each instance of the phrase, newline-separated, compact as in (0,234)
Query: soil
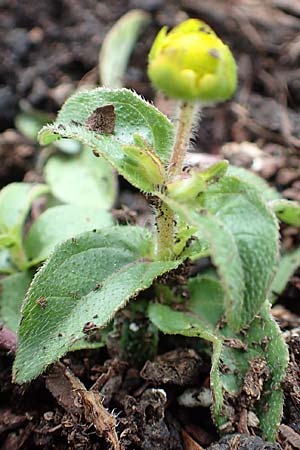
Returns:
(47,49)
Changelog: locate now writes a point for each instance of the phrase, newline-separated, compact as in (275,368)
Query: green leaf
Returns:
(287,211)
(85,280)
(15,203)
(30,122)
(267,192)
(255,231)
(6,265)
(58,224)
(117,46)
(12,292)
(243,237)
(233,353)
(288,265)
(68,146)
(81,180)
(133,116)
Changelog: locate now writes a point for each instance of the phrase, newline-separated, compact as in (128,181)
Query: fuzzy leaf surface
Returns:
(84,280)
(243,237)
(234,350)
(12,293)
(133,115)
(255,231)
(265,190)
(81,180)
(60,223)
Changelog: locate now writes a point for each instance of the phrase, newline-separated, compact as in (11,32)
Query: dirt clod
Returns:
(181,367)
(243,442)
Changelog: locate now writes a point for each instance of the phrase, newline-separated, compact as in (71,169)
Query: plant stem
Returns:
(165,219)
(18,256)
(183,134)
(165,231)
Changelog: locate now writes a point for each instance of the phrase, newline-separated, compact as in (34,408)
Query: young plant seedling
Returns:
(225,215)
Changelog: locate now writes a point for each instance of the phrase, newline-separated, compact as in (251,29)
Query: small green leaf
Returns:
(287,211)
(267,192)
(144,163)
(117,46)
(235,352)
(288,265)
(133,115)
(81,180)
(86,279)
(12,292)
(58,224)
(15,203)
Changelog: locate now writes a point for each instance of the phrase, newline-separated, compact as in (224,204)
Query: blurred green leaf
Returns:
(15,202)
(287,211)
(81,180)
(12,292)
(60,223)
(118,45)
(288,265)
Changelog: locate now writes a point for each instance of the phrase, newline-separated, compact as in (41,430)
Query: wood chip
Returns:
(290,435)
(189,443)
(72,395)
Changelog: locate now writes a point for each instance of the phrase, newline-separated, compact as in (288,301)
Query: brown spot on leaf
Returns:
(102,120)
(42,302)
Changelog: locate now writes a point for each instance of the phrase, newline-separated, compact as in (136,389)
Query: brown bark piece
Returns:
(72,395)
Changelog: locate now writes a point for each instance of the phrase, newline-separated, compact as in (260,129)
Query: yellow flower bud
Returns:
(192,63)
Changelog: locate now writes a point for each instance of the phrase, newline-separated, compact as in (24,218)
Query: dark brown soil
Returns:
(47,48)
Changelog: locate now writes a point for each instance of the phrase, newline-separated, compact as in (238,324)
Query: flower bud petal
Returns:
(192,63)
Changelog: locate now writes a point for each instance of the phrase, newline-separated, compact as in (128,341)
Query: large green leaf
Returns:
(233,352)
(255,231)
(243,237)
(12,292)
(266,191)
(15,203)
(81,180)
(60,223)
(86,279)
(133,116)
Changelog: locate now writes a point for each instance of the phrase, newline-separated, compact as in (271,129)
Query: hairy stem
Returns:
(165,220)
(183,134)
(165,231)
